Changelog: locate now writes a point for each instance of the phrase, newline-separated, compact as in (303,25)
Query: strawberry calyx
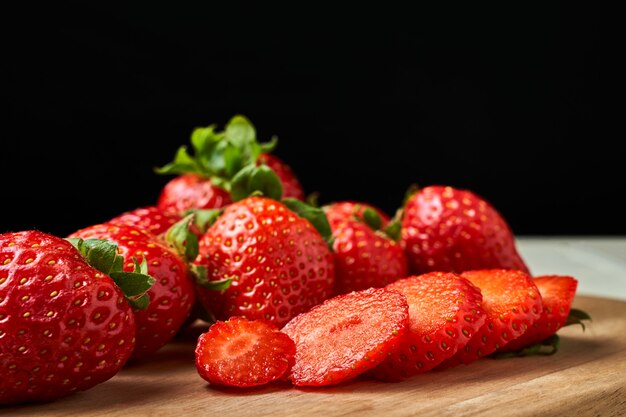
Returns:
(221,155)
(185,243)
(314,215)
(577,316)
(549,345)
(102,255)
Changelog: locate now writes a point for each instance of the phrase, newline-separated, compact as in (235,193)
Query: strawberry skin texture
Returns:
(365,258)
(64,326)
(279,264)
(444,313)
(243,353)
(347,210)
(190,191)
(171,297)
(557,293)
(448,229)
(512,303)
(291,184)
(346,336)
(149,218)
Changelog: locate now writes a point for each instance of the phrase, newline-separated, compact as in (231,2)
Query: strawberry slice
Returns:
(557,294)
(243,353)
(444,313)
(346,335)
(512,303)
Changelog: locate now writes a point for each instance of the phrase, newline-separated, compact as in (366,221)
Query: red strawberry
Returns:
(353,210)
(444,313)
(149,218)
(278,262)
(346,335)
(64,325)
(447,229)
(171,297)
(223,167)
(364,255)
(292,188)
(557,294)
(243,353)
(512,304)
(190,191)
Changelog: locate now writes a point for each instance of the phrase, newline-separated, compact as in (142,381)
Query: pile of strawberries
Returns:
(293,291)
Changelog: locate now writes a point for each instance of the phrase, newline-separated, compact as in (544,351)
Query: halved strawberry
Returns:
(512,303)
(557,294)
(346,335)
(243,353)
(444,313)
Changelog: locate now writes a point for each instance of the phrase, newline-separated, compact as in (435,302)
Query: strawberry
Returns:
(355,210)
(278,264)
(444,313)
(149,218)
(243,353)
(448,229)
(292,188)
(65,326)
(364,255)
(557,293)
(221,163)
(512,303)
(346,336)
(190,191)
(171,297)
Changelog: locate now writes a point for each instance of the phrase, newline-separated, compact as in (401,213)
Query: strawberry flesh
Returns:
(557,294)
(243,353)
(346,335)
(444,313)
(512,303)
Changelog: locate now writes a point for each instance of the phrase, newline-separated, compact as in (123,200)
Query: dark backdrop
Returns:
(519,105)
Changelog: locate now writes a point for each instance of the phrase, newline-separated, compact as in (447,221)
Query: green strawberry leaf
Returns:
(204,218)
(102,255)
(577,316)
(202,279)
(180,238)
(315,215)
(98,253)
(256,179)
(371,218)
(546,347)
(132,283)
(393,229)
(140,303)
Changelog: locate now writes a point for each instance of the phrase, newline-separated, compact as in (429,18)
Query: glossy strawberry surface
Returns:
(64,326)
(449,229)
(172,295)
(279,264)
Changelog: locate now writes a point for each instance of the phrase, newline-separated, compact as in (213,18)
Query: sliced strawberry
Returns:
(557,294)
(243,353)
(512,303)
(346,335)
(444,313)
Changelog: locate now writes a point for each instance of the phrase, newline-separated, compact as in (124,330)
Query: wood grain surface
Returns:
(586,377)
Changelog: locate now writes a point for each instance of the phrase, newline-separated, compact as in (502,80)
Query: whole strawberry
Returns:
(212,176)
(448,229)
(171,297)
(277,262)
(149,218)
(364,255)
(64,325)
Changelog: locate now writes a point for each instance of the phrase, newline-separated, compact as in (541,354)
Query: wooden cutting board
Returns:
(586,377)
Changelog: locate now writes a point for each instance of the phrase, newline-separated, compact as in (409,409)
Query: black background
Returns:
(519,105)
